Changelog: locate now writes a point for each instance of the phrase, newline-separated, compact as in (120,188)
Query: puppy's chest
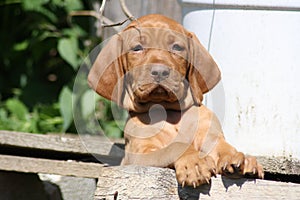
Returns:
(143,126)
(160,128)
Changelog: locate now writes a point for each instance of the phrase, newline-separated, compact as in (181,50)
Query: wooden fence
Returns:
(22,155)
(113,11)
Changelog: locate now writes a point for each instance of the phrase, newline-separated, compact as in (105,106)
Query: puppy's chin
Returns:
(157,93)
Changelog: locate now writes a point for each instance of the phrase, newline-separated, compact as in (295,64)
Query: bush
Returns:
(42,49)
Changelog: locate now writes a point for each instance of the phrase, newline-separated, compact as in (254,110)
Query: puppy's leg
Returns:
(227,159)
(232,162)
(193,170)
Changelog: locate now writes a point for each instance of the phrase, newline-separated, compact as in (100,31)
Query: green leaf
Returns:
(68,48)
(17,108)
(75,31)
(21,46)
(4,121)
(88,103)
(112,130)
(34,121)
(51,124)
(69,5)
(65,103)
(73,5)
(59,3)
(37,6)
(33,4)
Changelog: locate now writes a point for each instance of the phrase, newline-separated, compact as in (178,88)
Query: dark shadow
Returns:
(159,116)
(25,186)
(231,181)
(288,178)
(114,157)
(190,193)
(52,191)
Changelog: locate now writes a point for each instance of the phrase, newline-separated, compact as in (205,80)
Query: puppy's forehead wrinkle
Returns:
(150,35)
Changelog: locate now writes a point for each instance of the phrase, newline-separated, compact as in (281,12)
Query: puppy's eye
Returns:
(177,47)
(137,48)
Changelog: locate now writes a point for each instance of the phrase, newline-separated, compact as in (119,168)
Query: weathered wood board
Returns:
(58,142)
(133,182)
(136,182)
(108,152)
(46,166)
(61,146)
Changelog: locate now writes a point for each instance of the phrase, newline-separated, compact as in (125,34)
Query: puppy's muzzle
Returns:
(160,73)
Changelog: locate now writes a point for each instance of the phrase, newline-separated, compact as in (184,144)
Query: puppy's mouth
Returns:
(155,93)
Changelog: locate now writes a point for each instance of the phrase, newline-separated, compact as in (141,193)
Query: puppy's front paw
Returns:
(237,164)
(230,162)
(252,167)
(194,171)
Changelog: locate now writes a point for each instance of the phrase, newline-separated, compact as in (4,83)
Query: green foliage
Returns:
(15,116)
(112,124)
(65,103)
(18,108)
(42,48)
(67,48)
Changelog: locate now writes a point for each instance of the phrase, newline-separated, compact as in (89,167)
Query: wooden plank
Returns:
(46,166)
(84,144)
(111,154)
(281,165)
(133,182)
(113,11)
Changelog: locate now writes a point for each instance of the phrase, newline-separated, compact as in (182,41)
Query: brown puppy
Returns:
(159,72)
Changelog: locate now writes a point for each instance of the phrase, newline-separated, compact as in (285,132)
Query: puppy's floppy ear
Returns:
(204,73)
(106,74)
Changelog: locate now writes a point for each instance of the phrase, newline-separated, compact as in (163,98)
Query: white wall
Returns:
(258,100)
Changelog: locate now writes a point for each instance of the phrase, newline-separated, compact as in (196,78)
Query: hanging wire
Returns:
(210,36)
(211,26)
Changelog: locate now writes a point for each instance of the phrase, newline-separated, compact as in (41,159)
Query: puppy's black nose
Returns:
(160,72)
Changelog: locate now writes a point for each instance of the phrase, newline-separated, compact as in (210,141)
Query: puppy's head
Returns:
(154,61)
